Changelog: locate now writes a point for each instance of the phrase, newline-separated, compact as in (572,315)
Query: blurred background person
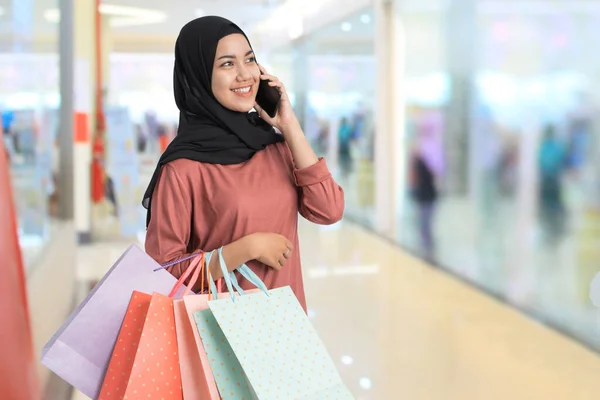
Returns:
(552,164)
(426,169)
(345,136)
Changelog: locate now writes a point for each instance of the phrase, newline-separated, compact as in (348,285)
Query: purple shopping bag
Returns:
(79,352)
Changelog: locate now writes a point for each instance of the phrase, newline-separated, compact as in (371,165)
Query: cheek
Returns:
(220,85)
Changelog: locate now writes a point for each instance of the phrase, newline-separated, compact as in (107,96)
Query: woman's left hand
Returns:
(285,116)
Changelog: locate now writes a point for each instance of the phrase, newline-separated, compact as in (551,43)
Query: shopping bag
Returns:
(18,377)
(145,360)
(267,345)
(226,370)
(80,350)
(197,378)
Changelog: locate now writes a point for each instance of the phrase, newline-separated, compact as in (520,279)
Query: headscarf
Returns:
(208,132)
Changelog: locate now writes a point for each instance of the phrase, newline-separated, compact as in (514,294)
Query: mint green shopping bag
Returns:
(273,342)
(227,371)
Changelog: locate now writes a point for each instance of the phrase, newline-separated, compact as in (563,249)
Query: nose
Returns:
(244,73)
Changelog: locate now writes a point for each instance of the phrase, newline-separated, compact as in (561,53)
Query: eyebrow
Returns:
(233,57)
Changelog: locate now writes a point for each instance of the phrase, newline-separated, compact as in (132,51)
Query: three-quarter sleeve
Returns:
(321,198)
(168,233)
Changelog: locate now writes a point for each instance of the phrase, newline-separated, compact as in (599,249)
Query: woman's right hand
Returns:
(270,249)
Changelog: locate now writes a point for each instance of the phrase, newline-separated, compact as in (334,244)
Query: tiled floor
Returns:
(503,242)
(399,329)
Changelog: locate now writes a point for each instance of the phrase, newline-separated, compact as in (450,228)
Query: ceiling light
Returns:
(120,15)
(365,18)
(346,26)
(129,16)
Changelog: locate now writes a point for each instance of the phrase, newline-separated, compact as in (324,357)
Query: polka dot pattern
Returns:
(278,347)
(145,361)
(227,371)
(339,392)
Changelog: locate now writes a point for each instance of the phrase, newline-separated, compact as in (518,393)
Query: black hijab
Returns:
(208,132)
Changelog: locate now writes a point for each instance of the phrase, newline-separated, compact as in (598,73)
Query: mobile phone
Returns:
(268,98)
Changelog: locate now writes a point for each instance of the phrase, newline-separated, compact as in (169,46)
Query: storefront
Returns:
(486,97)
(29,102)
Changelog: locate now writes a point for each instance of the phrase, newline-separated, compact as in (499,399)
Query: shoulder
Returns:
(281,153)
(182,165)
(182,170)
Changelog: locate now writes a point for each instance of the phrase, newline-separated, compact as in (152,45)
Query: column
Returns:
(103,222)
(389,115)
(65,132)
(301,78)
(77,62)
(461,55)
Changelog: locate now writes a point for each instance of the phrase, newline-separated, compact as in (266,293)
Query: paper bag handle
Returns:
(196,267)
(245,271)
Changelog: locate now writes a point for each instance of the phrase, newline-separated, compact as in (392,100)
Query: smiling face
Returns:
(235,76)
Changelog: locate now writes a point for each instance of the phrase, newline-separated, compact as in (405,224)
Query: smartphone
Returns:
(268,98)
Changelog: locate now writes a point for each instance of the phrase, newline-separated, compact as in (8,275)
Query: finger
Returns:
(282,261)
(268,77)
(275,264)
(289,245)
(287,254)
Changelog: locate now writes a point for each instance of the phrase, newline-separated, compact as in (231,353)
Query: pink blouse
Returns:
(205,206)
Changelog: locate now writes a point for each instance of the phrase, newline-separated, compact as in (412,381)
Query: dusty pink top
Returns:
(205,206)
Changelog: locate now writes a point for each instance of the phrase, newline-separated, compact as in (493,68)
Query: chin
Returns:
(242,107)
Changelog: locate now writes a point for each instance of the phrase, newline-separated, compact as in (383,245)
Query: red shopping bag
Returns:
(145,360)
(18,375)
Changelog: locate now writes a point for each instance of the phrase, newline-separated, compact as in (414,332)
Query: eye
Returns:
(227,64)
(252,59)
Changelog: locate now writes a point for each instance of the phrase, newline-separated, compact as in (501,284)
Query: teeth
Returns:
(242,90)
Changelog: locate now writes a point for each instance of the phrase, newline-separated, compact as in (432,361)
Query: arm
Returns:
(321,198)
(169,230)
(302,152)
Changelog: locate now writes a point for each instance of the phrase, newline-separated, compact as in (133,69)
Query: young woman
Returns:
(228,179)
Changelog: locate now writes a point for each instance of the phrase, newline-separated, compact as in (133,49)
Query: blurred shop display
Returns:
(131,148)
(340,120)
(29,138)
(122,168)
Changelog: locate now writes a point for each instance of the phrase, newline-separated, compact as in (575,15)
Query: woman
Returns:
(228,179)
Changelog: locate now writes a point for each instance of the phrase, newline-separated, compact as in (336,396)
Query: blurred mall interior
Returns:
(465,133)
